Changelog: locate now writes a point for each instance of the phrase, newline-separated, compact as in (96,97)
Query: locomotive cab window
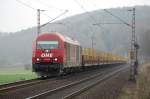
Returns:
(47,44)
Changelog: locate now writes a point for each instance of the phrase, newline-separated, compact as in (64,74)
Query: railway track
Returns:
(4,88)
(16,85)
(70,90)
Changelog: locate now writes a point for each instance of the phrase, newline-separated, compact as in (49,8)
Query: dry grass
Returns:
(141,89)
(143,82)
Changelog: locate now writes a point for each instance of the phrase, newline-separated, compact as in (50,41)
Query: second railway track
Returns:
(20,84)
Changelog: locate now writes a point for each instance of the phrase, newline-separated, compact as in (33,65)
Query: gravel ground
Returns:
(109,89)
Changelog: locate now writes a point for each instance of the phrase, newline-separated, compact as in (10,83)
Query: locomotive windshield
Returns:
(47,44)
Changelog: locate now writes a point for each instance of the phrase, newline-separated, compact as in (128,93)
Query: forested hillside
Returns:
(17,47)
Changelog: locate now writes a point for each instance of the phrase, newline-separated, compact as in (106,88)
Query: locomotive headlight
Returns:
(55,59)
(37,59)
(46,51)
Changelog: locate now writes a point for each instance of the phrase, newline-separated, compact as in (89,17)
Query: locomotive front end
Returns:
(48,55)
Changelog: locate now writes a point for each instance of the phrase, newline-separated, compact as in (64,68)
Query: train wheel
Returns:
(41,75)
(60,72)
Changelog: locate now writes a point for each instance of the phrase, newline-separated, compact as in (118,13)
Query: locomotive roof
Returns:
(64,38)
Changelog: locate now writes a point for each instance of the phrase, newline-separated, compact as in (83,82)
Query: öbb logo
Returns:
(46,55)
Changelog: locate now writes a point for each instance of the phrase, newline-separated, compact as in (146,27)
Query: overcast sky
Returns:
(21,14)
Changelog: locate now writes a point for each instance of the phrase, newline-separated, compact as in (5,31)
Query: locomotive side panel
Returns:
(72,57)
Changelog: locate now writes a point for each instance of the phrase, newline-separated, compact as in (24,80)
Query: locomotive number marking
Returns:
(46,55)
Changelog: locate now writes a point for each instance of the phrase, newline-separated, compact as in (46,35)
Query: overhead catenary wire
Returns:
(111,23)
(117,18)
(54,18)
(109,13)
(50,6)
(83,8)
(53,7)
(27,5)
(59,9)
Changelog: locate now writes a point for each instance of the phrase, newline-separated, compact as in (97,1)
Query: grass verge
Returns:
(9,76)
(140,89)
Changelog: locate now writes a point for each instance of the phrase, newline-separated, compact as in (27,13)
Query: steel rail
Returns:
(16,82)
(16,85)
